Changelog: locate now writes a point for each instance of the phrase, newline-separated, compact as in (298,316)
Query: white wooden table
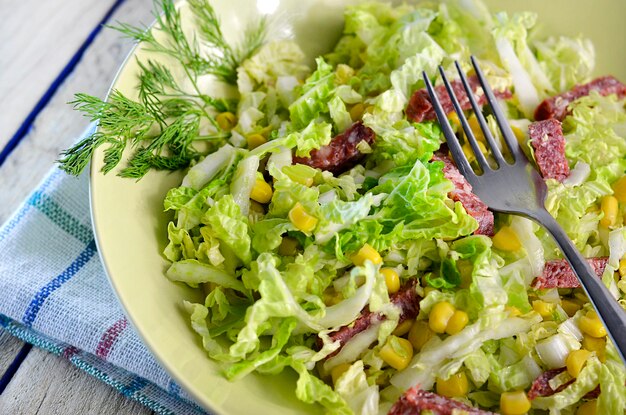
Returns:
(50,50)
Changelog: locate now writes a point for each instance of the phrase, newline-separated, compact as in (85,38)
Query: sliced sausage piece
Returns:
(406,299)
(558,273)
(415,401)
(547,140)
(541,386)
(463,193)
(421,109)
(341,153)
(556,106)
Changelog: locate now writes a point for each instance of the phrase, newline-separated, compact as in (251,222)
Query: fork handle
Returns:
(610,311)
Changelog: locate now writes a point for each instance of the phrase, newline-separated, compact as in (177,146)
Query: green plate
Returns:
(131,227)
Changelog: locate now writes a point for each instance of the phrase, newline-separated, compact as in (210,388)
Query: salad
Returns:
(334,237)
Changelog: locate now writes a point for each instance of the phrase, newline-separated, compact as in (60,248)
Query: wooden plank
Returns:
(58,125)
(37,47)
(49,385)
(9,348)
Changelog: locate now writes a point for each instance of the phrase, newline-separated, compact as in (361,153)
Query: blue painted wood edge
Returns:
(27,124)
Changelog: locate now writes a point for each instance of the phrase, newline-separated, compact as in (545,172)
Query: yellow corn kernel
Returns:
(469,152)
(454,120)
(343,74)
(367,252)
(513,311)
(255,140)
(301,218)
(288,246)
(590,324)
(506,239)
(357,110)
(592,314)
(261,191)
(226,120)
(397,352)
(337,371)
(403,328)
(475,127)
(419,334)
(544,309)
(514,403)
(619,189)
(454,387)
(392,279)
(609,208)
(622,267)
(482,147)
(440,316)
(570,306)
(588,408)
(457,322)
(519,134)
(576,360)
(369,109)
(594,344)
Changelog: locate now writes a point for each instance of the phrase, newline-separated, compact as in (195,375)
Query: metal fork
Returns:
(517,188)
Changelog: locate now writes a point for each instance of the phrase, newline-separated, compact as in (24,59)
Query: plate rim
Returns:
(93,171)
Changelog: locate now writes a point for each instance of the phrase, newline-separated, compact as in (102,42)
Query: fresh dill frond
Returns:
(216,57)
(120,120)
(143,160)
(169,150)
(119,115)
(162,125)
(253,39)
(155,82)
(74,160)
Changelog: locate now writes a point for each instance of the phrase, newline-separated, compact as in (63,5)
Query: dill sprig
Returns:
(163,124)
(216,57)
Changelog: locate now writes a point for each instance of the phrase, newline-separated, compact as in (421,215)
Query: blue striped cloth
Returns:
(54,294)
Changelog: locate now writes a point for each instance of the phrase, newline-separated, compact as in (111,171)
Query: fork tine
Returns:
(495,150)
(480,157)
(453,144)
(505,128)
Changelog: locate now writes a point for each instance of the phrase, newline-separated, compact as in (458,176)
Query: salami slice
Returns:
(342,152)
(547,140)
(415,401)
(559,274)
(406,299)
(463,193)
(421,109)
(556,107)
(541,386)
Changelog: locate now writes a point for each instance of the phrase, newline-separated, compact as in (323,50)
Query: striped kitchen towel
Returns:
(54,294)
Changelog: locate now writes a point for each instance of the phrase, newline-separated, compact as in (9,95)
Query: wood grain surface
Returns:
(43,38)
(38,40)
(9,348)
(47,384)
(58,125)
